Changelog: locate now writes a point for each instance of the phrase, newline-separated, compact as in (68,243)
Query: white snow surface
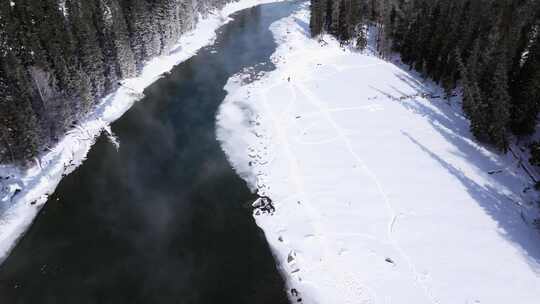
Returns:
(381,195)
(24,191)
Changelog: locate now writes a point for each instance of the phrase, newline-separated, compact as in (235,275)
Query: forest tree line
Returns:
(59,57)
(489,48)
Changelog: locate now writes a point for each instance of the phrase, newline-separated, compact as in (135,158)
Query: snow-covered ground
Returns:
(380,195)
(24,191)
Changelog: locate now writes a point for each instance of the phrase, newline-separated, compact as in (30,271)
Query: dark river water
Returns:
(164,219)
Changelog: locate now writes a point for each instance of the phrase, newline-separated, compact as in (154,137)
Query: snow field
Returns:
(381,195)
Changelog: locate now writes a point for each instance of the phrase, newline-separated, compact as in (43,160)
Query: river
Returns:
(164,219)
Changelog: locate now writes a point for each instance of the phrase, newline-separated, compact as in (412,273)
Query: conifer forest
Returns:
(58,58)
(488,49)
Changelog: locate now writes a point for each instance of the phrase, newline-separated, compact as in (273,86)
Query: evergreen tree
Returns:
(471,93)
(526,91)
(88,49)
(316,18)
(499,102)
(20,132)
(343,20)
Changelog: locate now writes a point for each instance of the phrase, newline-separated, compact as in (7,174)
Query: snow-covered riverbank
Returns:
(380,195)
(23,192)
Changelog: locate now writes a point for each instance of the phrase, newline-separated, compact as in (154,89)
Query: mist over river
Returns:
(164,218)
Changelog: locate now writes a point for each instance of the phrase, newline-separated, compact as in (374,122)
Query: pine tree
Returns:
(114,36)
(343,20)
(361,38)
(316,18)
(526,92)
(20,128)
(473,105)
(88,49)
(499,103)
(467,80)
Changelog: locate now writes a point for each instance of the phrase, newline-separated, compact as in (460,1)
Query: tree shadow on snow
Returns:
(304,26)
(494,198)
(498,207)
